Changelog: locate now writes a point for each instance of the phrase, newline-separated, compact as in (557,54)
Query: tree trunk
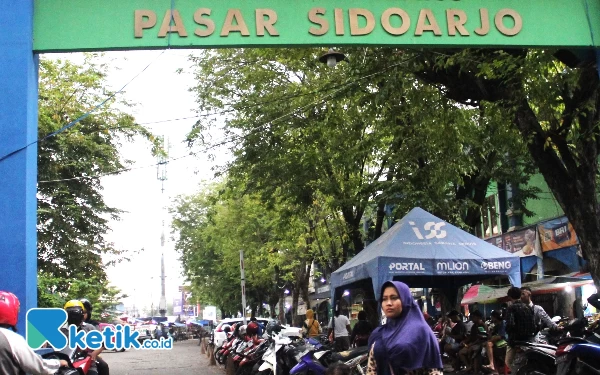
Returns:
(570,172)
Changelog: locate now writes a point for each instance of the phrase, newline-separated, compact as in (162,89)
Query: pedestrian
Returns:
(361,331)
(472,344)
(453,339)
(497,341)
(339,330)
(520,324)
(311,326)
(404,344)
(16,357)
(540,317)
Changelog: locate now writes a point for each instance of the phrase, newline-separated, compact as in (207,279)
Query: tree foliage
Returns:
(364,136)
(556,110)
(72,214)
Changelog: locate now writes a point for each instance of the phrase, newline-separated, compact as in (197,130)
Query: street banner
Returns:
(177,305)
(557,234)
(209,313)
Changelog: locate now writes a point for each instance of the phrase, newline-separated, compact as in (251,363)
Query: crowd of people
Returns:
(411,342)
(407,343)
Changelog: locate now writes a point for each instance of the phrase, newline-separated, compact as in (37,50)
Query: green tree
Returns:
(72,214)
(361,136)
(556,110)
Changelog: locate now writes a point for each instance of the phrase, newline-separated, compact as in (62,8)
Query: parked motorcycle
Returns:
(316,362)
(579,355)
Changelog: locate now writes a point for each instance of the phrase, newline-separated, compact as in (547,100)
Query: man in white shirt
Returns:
(340,326)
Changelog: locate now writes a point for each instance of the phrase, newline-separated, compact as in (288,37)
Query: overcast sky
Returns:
(160,94)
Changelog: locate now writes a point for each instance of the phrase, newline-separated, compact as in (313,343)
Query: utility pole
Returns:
(161,175)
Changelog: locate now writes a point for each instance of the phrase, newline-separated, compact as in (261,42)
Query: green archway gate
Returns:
(76,25)
(29,27)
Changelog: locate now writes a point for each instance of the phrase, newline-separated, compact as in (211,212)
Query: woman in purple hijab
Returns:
(405,344)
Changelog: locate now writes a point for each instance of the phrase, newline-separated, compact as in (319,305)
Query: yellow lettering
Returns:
(338,16)
(485,22)
(239,26)
(208,23)
(456,24)
(143,19)
(517,20)
(387,25)
(268,24)
(313,16)
(177,26)
(355,28)
(431,25)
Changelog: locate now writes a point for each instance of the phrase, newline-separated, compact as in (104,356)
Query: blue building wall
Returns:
(18,154)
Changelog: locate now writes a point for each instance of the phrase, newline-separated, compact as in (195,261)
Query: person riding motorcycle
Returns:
(75,316)
(102,366)
(16,357)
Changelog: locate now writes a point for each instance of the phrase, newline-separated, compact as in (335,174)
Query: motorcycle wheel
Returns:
(360,368)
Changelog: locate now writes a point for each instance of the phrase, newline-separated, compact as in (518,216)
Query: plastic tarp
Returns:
(553,284)
(425,251)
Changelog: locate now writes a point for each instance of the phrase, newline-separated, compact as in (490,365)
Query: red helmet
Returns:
(252,329)
(9,308)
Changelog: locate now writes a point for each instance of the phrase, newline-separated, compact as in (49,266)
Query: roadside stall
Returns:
(424,251)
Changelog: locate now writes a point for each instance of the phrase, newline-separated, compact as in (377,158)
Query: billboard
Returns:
(209,313)
(522,243)
(557,234)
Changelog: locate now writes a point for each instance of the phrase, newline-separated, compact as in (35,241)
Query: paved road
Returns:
(183,359)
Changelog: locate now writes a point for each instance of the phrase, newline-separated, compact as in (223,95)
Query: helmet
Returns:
(273,327)
(242,330)
(252,329)
(226,328)
(9,308)
(87,306)
(74,310)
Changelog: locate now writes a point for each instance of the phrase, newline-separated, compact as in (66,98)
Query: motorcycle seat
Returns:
(349,354)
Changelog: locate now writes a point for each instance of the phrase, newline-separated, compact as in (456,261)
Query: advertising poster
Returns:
(557,234)
(177,306)
(522,243)
(209,313)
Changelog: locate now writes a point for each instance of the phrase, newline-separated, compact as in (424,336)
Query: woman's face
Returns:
(391,303)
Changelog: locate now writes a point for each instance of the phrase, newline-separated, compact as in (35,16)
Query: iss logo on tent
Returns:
(433,228)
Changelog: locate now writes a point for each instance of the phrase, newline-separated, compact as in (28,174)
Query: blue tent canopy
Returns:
(426,252)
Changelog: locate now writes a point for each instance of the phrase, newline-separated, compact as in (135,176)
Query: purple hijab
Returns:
(405,342)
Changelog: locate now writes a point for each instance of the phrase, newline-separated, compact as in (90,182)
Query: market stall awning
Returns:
(553,284)
(482,294)
(425,251)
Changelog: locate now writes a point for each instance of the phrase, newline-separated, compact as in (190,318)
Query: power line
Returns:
(226,140)
(82,117)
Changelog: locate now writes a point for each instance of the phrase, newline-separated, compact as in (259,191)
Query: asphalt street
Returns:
(184,358)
